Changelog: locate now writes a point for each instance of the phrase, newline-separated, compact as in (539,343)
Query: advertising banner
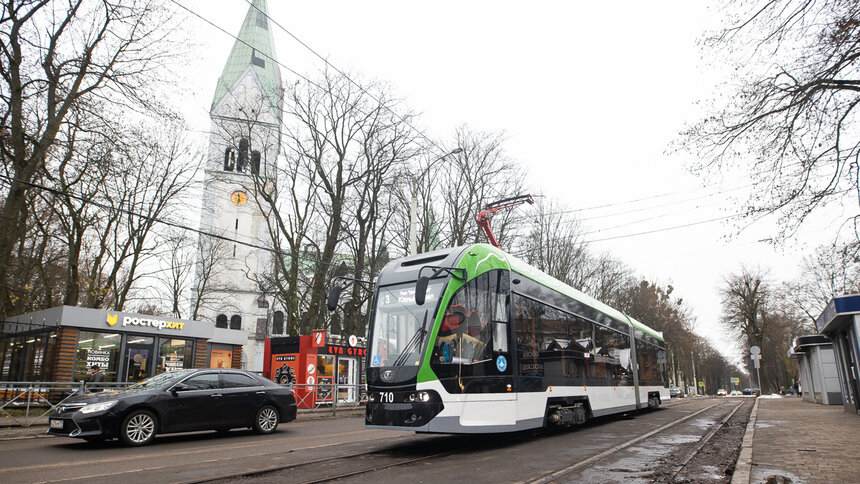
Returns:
(221,359)
(284,368)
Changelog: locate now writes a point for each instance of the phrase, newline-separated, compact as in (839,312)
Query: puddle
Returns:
(678,439)
(772,475)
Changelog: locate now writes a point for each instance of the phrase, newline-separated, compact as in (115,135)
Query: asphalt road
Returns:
(314,450)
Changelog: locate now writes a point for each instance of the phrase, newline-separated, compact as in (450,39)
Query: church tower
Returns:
(243,149)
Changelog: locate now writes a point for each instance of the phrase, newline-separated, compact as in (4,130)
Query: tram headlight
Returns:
(371,397)
(419,397)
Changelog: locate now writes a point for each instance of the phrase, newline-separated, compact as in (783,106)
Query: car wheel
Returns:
(266,420)
(138,428)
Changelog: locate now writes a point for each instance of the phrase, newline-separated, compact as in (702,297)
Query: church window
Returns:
(221,321)
(229,159)
(278,322)
(243,156)
(256,60)
(234,250)
(236,322)
(237,224)
(255,162)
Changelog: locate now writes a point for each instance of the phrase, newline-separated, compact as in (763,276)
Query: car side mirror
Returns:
(333,297)
(421,290)
(179,387)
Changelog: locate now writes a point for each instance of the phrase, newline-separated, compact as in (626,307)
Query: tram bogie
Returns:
(473,340)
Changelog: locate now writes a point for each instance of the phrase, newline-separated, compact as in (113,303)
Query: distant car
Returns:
(676,392)
(751,391)
(178,401)
(721,392)
(735,393)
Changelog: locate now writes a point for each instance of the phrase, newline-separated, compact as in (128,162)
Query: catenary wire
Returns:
(441,151)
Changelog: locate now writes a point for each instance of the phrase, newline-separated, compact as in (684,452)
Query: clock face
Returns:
(239,198)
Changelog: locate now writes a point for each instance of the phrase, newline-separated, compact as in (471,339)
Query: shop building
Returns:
(61,344)
(840,322)
(819,376)
(322,366)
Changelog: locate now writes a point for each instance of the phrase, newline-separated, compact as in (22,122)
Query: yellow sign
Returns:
(111,320)
(239,198)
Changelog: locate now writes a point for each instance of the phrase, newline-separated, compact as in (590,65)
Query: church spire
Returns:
(255,49)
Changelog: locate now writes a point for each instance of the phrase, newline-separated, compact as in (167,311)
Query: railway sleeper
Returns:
(562,415)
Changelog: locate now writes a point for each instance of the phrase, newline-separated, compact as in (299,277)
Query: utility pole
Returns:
(413,203)
(695,380)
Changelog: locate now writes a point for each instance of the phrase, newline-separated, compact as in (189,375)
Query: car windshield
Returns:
(162,380)
(396,336)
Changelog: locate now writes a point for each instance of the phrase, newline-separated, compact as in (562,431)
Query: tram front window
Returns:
(400,326)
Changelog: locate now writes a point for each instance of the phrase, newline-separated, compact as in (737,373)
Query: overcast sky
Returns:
(589,95)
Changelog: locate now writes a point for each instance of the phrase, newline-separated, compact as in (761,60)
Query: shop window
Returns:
(278,322)
(174,354)
(221,321)
(236,322)
(100,349)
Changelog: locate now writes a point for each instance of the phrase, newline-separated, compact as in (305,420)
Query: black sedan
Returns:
(179,401)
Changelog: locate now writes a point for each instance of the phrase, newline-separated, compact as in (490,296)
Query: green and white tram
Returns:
(474,340)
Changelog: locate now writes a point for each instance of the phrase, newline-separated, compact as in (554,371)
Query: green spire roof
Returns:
(254,47)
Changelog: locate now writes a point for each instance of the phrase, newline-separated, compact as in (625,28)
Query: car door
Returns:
(195,403)
(242,396)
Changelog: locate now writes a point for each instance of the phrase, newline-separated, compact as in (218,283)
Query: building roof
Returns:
(838,313)
(255,49)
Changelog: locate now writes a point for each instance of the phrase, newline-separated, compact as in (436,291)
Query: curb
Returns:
(743,467)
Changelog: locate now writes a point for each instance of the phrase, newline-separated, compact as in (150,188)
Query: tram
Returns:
(474,340)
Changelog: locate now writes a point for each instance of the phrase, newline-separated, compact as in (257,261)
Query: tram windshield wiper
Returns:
(418,336)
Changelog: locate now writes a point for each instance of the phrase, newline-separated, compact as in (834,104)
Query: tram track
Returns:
(560,475)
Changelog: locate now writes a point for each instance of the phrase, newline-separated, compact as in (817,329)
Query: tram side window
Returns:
(476,312)
(649,367)
(615,353)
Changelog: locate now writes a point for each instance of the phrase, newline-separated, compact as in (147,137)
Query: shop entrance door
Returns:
(139,357)
(347,377)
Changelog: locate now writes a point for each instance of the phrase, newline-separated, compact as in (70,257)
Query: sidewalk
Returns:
(790,438)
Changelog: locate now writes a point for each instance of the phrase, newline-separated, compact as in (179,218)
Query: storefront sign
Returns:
(148,322)
(318,338)
(345,350)
(285,358)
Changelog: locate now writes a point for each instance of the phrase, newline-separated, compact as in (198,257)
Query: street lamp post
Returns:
(413,205)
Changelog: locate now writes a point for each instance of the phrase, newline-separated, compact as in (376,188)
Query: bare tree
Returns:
(791,121)
(55,56)
(554,244)
(832,271)
(476,176)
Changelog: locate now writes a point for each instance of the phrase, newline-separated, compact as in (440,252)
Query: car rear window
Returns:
(237,380)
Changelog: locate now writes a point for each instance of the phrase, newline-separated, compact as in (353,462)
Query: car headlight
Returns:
(98,407)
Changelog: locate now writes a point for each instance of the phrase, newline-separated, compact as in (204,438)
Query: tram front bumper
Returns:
(401,414)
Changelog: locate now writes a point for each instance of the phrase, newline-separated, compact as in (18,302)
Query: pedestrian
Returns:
(98,376)
(791,390)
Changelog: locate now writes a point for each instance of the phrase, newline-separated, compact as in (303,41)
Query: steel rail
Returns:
(598,457)
(690,454)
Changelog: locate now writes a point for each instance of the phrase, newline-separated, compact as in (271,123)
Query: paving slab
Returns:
(798,441)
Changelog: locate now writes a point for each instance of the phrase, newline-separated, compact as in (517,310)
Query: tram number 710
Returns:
(386,397)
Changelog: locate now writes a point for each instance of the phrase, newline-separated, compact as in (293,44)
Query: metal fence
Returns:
(25,403)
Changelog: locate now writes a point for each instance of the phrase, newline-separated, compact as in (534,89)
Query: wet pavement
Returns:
(796,441)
